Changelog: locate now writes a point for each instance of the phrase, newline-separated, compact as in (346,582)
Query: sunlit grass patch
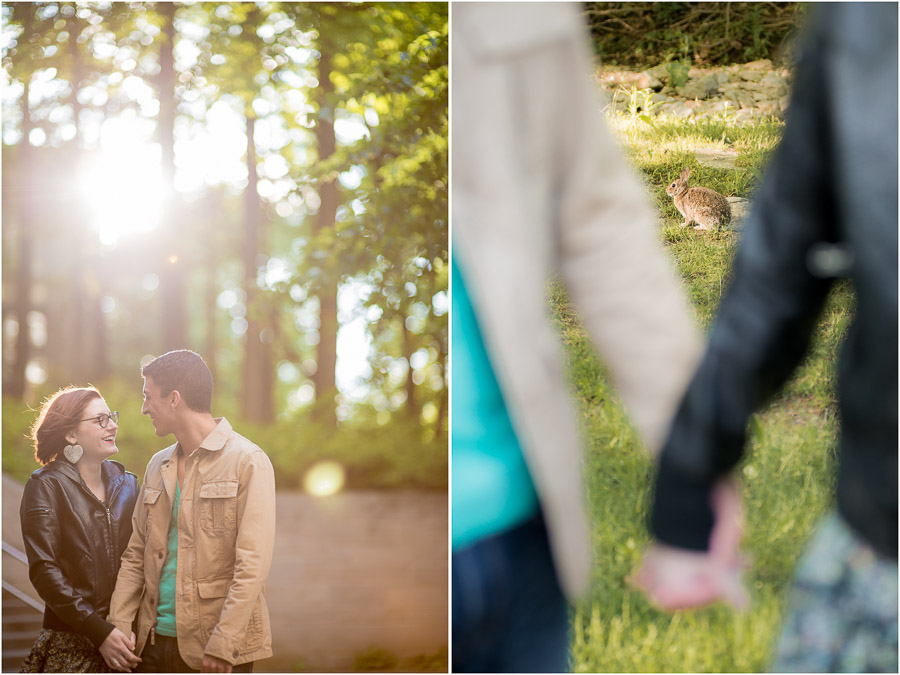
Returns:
(787,475)
(661,146)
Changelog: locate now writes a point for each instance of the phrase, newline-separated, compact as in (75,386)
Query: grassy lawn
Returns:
(787,473)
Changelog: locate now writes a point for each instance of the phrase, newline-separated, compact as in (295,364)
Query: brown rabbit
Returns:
(700,205)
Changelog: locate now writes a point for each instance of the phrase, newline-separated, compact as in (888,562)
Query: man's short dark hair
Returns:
(185,371)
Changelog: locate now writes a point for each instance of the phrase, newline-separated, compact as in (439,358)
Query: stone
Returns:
(751,75)
(700,88)
(745,115)
(757,88)
(773,80)
(740,210)
(783,103)
(647,81)
(742,98)
(716,158)
(681,110)
(769,107)
(776,84)
(762,64)
(725,105)
(660,72)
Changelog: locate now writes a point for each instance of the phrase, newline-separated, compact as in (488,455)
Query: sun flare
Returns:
(122,184)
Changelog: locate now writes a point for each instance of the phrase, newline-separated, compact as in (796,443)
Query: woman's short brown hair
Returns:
(59,415)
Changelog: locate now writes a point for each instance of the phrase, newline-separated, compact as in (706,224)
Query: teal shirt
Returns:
(492,489)
(165,611)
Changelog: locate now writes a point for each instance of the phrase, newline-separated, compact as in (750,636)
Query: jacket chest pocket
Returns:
(218,504)
(151,507)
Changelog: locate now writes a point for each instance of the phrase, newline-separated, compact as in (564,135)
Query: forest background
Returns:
(264,183)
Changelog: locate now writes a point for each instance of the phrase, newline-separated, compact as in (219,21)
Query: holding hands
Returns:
(118,651)
(676,578)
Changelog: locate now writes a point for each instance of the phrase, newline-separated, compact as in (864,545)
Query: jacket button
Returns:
(160,555)
(235,653)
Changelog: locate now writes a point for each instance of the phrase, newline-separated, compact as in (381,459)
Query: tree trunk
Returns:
(326,351)
(258,376)
(444,402)
(22,303)
(213,214)
(412,409)
(172,265)
(90,357)
(100,369)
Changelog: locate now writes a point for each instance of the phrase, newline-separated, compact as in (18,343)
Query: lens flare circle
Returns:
(324,479)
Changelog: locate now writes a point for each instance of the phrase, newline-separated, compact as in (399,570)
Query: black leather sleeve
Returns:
(41,534)
(766,318)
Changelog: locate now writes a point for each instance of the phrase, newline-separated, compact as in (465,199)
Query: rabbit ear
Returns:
(685,173)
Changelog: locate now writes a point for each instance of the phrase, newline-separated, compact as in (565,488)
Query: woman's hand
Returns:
(676,579)
(118,651)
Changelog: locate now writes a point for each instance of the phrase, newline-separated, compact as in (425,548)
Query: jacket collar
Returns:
(214,441)
(113,471)
(218,436)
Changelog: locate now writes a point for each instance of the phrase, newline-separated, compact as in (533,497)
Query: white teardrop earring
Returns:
(73,453)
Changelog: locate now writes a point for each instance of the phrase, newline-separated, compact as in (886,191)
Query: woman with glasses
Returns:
(76,523)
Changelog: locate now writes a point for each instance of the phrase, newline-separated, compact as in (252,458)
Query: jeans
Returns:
(509,613)
(164,657)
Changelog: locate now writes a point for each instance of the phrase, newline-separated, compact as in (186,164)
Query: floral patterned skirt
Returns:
(842,612)
(57,651)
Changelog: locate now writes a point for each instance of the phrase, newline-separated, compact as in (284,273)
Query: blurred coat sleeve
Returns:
(766,318)
(617,272)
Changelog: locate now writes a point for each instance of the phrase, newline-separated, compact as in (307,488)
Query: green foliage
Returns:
(787,474)
(429,663)
(377,660)
(678,72)
(401,455)
(636,33)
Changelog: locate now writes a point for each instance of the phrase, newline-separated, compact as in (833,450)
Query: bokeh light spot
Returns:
(324,479)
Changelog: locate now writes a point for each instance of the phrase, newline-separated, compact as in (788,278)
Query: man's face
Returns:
(157,406)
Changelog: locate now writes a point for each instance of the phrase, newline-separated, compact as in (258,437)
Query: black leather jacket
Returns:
(74,543)
(832,188)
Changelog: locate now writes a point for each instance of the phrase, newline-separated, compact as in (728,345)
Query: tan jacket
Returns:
(226,534)
(540,187)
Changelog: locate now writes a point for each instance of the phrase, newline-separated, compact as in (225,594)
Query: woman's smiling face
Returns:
(98,442)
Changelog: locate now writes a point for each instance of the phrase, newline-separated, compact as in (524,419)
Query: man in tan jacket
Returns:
(204,529)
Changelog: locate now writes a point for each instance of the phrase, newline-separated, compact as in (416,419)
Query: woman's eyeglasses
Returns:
(103,419)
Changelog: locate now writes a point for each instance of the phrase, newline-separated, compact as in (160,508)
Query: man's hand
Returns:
(212,664)
(676,579)
(118,651)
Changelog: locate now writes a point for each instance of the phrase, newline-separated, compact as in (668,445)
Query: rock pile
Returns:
(751,89)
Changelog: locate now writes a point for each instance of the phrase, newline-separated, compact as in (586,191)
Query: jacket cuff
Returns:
(126,628)
(682,514)
(222,648)
(96,629)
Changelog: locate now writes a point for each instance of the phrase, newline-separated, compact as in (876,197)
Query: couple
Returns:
(180,587)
